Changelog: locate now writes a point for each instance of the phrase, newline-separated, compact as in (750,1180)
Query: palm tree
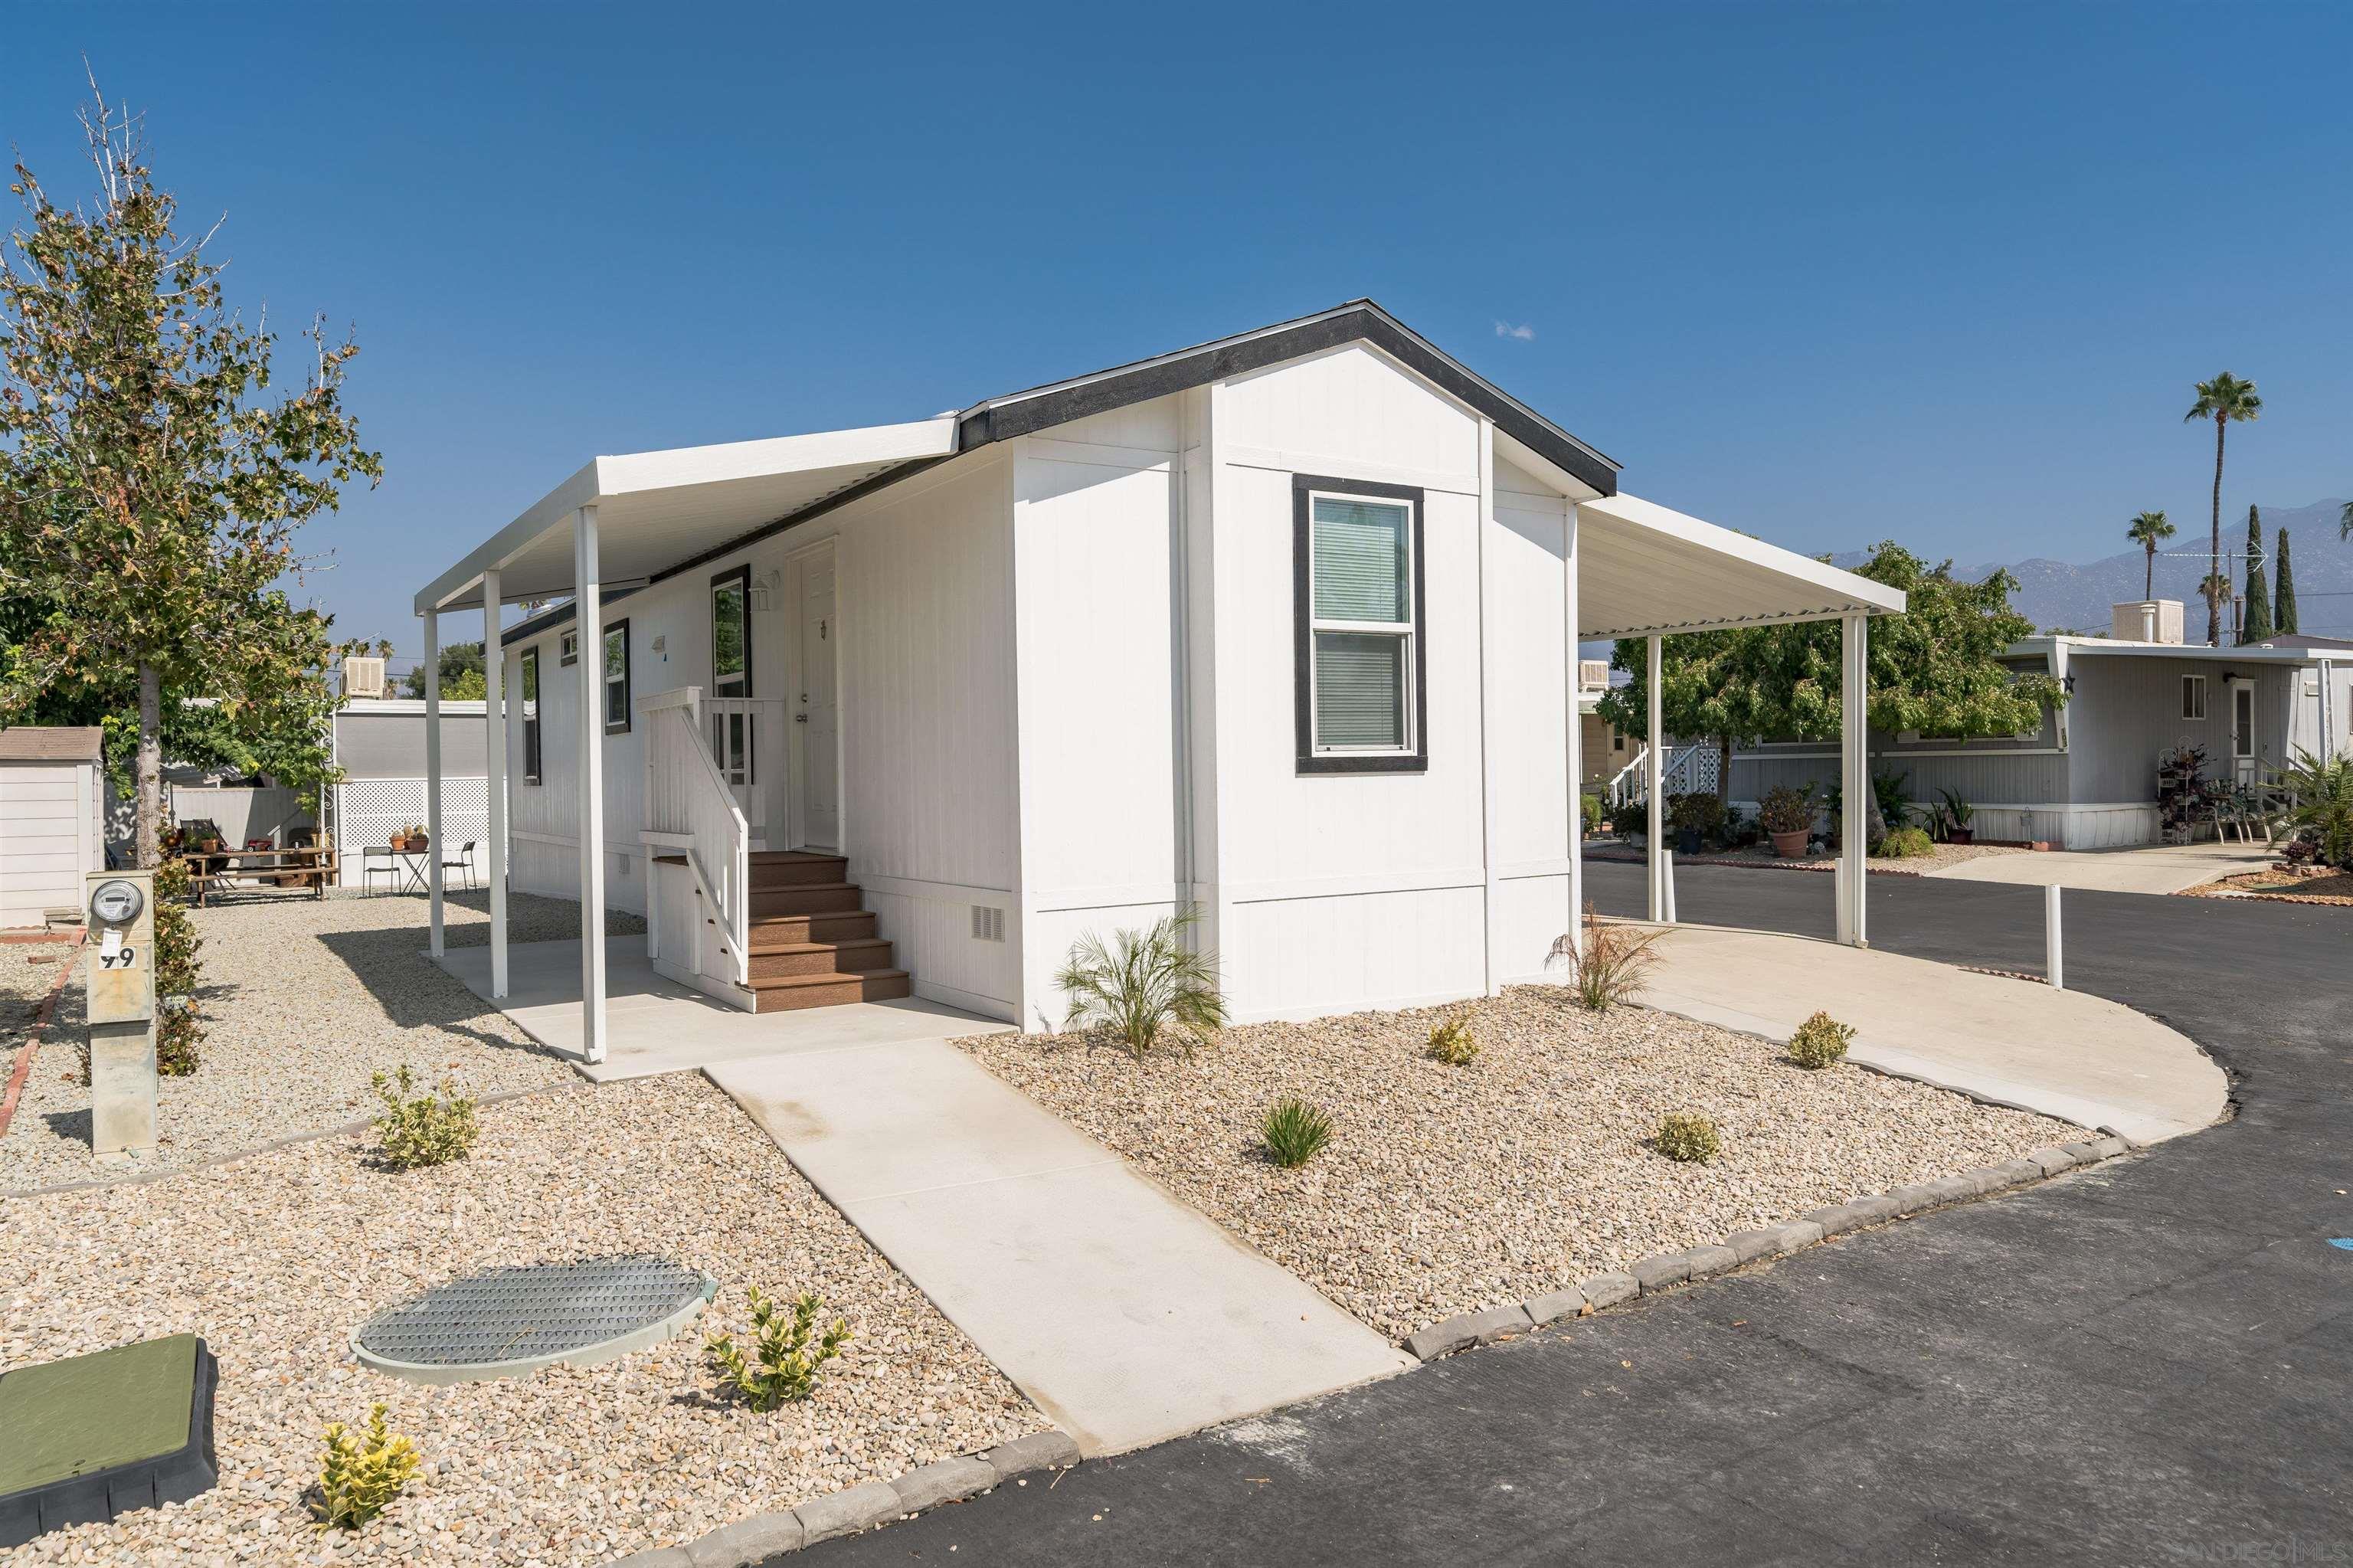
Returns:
(2148,531)
(2222,400)
(2218,592)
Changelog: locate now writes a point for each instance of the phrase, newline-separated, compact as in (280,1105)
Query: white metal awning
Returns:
(655,510)
(1643,567)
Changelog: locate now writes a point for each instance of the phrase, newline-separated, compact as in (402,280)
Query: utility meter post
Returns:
(121,987)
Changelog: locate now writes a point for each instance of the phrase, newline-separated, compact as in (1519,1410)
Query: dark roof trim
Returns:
(1042,407)
(525,629)
(1023,413)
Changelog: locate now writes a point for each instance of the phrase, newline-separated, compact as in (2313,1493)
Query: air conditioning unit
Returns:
(363,677)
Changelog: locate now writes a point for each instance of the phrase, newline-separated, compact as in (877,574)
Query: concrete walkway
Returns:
(1126,1316)
(2063,1052)
(655,1025)
(2148,868)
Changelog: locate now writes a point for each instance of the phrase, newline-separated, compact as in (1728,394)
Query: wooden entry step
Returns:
(796,868)
(775,960)
(785,993)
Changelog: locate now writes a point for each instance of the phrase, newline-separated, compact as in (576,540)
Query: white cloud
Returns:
(1524,332)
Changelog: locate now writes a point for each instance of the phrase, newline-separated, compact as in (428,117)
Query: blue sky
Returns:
(1827,273)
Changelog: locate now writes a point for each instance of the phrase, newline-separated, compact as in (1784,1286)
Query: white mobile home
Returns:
(1281,629)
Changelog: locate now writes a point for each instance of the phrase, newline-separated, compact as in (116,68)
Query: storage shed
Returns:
(52,798)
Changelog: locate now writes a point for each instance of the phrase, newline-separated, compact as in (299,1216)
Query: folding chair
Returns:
(377,859)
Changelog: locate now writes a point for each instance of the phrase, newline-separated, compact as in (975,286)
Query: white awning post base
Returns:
(589,616)
(1654,775)
(2055,970)
(1854,778)
(494,753)
(433,850)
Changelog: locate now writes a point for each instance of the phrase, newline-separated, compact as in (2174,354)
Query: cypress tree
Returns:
(2284,612)
(2257,626)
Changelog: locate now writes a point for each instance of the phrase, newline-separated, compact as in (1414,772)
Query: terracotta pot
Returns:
(1790,846)
(399,842)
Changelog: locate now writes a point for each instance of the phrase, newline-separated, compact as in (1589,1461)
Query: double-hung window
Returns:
(732,729)
(617,678)
(1357,600)
(2193,696)
(531,715)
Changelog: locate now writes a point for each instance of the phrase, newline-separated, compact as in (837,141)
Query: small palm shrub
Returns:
(2324,804)
(422,1129)
(1145,985)
(1905,843)
(1452,1041)
(789,1349)
(1295,1132)
(361,1474)
(1819,1041)
(1610,966)
(1688,1137)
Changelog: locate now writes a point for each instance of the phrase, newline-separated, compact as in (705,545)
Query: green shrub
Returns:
(1905,843)
(1609,965)
(789,1349)
(1589,806)
(1295,1132)
(1143,984)
(2323,792)
(1689,1137)
(1784,810)
(1452,1041)
(1819,1041)
(360,1475)
(1630,819)
(179,1030)
(1699,811)
(422,1129)
(178,1033)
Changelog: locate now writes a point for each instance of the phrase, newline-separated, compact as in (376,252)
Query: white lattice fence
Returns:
(368,811)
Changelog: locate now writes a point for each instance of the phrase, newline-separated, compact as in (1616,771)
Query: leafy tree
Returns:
(2226,399)
(2257,626)
(462,676)
(2283,604)
(2148,531)
(150,483)
(1934,669)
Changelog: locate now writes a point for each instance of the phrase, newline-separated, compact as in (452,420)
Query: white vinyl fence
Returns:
(368,810)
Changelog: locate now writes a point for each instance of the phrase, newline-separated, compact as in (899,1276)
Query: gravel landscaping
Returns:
(277,1257)
(305,1000)
(1448,1189)
(2328,887)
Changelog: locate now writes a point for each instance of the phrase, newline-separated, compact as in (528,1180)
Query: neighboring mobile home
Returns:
(2087,776)
(1281,629)
(52,805)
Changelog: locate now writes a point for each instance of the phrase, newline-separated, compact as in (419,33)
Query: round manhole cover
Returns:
(510,1321)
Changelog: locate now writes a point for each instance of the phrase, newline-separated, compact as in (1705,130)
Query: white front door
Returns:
(816,808)
(2243,731)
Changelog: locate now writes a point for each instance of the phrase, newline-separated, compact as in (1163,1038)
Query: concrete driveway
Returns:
(2148,868)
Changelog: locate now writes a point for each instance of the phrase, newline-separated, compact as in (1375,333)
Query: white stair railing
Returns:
(690,808)
(1694,769)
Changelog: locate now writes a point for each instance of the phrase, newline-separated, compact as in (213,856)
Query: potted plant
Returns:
(418,842)
(1787,816)
(1956,813)
(1693,817)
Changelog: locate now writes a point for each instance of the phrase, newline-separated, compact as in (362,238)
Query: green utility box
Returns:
(90,1437)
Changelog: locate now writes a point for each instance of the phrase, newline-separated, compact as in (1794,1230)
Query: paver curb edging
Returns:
(749,1542)
(41,1016)
(1666,1270)
(1750,862)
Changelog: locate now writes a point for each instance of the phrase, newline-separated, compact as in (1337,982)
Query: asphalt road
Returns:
(2149,1363)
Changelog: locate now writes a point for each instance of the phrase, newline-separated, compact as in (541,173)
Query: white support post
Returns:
(1573,671)
(1654,778)
(2051,964)
(433,778)
(1855,780)
(588,617)
(2327,713)
(494,753)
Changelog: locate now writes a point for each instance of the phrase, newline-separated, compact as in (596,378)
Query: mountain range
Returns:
(2063,596)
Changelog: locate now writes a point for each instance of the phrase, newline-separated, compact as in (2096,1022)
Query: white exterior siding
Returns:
(1097,634)
(50,815)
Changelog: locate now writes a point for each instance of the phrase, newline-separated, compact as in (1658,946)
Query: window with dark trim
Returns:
(1358,653)
(2193,696)
(530,715)
(567,647)
(617,678)
(731,633)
